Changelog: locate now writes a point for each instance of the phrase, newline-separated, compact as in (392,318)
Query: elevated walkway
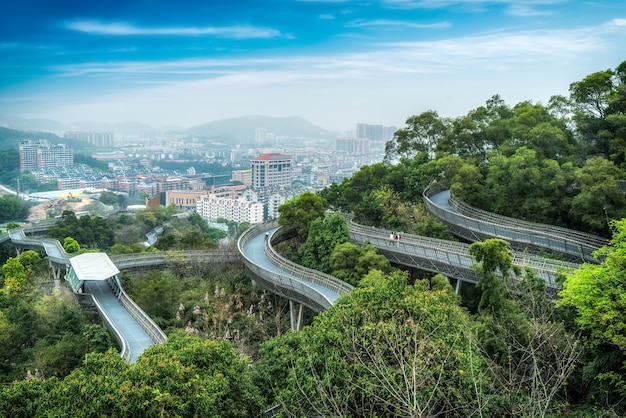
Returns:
(93,277)
(449,258)
(474,224)
(316,290)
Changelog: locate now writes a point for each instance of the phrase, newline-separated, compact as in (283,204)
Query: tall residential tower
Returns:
(36,155)
(271,170)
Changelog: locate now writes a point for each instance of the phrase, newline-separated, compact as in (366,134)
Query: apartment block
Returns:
(353,145)
(211,208)
(242,176)
(184,199)
(37,155)
(99,139)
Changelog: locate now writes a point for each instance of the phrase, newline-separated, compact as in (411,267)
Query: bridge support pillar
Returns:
(56,275)
(296,317)
(457,288)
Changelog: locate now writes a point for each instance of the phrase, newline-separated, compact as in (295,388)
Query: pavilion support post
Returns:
(457,288)
(296,317)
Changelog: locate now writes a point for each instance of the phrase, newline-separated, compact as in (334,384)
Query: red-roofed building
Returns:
(273,169)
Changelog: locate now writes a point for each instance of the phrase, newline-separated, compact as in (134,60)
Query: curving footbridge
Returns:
(135,331)
(473,224)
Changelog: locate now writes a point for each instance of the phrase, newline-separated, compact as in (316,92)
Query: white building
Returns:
(272,169)
(211,208)
(274,201)
(36,155)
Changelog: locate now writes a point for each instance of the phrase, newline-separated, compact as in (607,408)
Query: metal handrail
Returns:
(117,334)
(451,253)
(528,227)
(520,234)
(143,319)
(304,280)
(314,276)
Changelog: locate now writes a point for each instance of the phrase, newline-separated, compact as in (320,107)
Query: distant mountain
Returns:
(37,125)
(10,138)
(120,128)
(244,128)
(241,129)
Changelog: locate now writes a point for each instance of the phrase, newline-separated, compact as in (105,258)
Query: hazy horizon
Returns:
(334,63)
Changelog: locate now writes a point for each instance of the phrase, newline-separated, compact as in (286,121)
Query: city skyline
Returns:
(335,63)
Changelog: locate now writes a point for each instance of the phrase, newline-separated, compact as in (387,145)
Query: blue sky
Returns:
(332,62)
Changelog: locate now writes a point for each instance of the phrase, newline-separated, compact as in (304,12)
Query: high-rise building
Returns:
(388,132)
(372,132)
(272,169)
(260,135)
(353,145)
(36,155)
(99,139)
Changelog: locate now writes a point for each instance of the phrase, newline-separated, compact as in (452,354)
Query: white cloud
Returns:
(397,23)
(496,50)
(617,23)
(384,84)
(517,7)
(123,29)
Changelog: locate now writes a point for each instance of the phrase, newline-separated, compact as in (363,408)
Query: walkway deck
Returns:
(136,338)
(255,251)
(474,224)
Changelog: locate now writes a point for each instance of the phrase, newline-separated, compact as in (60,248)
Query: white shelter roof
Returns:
(93,266)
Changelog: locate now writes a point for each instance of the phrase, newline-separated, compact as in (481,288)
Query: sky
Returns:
(335,63)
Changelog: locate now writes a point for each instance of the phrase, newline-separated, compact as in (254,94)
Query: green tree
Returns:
(351,262)
(386,349)
(183,377)
(13,225)
(601,112)
(33,264)
(597,291)
(12,208)
(421,134)
(530,356)
(70,245)
(600,199)
(194,240)
(108,198)
(324,235)
(532,126)
(494,267)
(158,294)
(14,274)
(300,211)
(335,197)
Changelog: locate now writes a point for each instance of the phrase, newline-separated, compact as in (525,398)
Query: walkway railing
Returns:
(109,324)
(145,322)
(475,224)
(57,255)
(291,281)
(310,275)
(153,258)
(447,257)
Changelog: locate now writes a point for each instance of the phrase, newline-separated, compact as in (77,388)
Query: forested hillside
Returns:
(561,163)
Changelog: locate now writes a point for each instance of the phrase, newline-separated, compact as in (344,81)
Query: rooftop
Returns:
(93,266)
(271,156)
